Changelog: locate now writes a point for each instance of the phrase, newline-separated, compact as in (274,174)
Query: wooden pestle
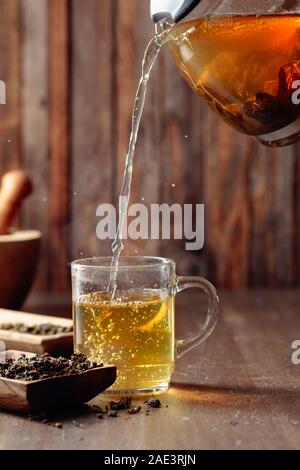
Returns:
(15,187)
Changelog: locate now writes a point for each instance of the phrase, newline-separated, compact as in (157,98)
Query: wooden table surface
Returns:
(240,390)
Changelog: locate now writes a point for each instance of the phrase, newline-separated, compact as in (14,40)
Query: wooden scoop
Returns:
(15,187)
(53,393)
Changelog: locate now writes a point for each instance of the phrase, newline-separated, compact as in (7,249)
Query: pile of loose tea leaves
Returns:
(45,329)
(44,367)
(114,407)
(124,408)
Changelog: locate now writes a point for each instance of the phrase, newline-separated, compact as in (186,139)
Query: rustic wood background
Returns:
(71,69)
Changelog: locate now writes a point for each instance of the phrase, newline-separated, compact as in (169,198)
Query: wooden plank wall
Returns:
(71,69)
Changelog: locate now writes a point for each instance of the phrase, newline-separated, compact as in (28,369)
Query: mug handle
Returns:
(185,345)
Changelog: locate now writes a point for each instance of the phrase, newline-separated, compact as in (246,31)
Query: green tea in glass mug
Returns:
(135,328)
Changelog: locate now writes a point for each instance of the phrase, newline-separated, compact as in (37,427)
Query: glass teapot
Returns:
(243,58)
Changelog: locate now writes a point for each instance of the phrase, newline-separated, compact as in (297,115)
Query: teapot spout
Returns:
(174,9)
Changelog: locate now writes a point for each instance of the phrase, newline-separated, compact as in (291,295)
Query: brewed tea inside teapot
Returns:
(243,58)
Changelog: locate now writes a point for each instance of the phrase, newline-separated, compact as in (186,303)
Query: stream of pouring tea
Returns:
(149,60)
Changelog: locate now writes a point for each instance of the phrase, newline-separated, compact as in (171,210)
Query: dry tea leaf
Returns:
(154,403)
(134,410)
(123,404)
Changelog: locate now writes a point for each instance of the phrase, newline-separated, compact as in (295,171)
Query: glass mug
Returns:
(136,330)
(243,58)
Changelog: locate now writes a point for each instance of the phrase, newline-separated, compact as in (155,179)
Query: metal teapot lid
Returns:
(175,9)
